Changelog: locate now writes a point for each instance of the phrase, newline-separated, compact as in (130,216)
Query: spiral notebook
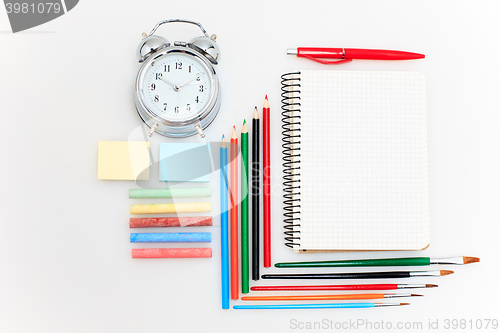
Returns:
(355,152)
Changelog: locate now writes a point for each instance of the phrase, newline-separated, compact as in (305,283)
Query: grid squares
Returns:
(364,179)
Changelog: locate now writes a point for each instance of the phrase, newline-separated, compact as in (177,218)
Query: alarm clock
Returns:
(177,90)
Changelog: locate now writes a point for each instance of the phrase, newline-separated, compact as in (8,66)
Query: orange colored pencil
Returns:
(324,297)
(235,294)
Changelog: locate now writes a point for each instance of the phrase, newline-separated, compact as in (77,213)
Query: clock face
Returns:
(176,86)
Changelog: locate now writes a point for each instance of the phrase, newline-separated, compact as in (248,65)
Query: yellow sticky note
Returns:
(123,160)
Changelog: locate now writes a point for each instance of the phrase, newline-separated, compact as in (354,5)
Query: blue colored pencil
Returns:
(316,306)
(224,225)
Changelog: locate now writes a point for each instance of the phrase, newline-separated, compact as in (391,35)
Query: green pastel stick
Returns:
(245,276)
(187,192)
(414,261)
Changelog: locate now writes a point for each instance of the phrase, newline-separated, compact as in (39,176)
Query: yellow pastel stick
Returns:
(171,208)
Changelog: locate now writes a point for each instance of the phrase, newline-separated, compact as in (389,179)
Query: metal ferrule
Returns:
(396,295)
(411,286)
(448,261)
(425,273)
(386,304)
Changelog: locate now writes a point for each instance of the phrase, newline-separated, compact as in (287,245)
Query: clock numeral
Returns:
(198,78)
(164,106)
(158,76)
(201,88)
(178,65)
(157,98)
(197,99)
(176,109)
(188,107)
(167,68)
(153,86)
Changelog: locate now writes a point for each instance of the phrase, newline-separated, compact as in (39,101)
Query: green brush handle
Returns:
(416,261)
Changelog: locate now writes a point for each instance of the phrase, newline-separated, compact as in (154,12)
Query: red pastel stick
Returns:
(172,253)
(233,194)
(267,182)
(159,222)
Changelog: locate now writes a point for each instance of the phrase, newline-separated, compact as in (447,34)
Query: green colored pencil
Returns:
(413,261)
(244,211)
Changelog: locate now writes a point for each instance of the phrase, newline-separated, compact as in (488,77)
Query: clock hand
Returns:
(173,85)
(192,79)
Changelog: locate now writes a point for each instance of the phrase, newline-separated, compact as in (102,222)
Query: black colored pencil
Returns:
(255,194)
(364,275)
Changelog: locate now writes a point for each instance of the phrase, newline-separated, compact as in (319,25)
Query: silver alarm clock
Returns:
(177,91)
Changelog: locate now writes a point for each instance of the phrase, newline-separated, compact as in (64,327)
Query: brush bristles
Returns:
(416,295)
(431,286)
(445,272)
(404,303)
(470,260)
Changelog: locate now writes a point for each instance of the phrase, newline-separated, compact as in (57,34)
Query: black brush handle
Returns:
(365,275)
(255,198)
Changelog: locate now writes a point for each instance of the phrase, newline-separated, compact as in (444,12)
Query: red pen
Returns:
(346,55)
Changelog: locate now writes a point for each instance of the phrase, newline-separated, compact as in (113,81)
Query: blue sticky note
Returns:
(184,162)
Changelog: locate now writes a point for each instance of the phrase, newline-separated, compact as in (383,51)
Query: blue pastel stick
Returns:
(306,306)
(171,237)
(224,226)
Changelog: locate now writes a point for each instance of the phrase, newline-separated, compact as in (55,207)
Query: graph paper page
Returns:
(364,178)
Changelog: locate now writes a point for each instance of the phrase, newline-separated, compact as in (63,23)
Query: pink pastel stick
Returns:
(159,222)
(172,253)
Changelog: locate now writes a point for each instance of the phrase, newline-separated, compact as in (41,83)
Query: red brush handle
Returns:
(331,287)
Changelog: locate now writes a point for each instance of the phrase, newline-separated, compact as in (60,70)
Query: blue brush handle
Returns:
(179,237)
(307,306)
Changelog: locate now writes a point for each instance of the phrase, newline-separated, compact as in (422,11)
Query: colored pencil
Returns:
(234,215)
(344,287)
(244,210)
(224,225)
(341,297)
(364,275)
(267,182)
(255,195)
(413,261)
(315,306)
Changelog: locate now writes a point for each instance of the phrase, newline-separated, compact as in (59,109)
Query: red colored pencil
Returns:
(345,287)
(267,183)
(235,293)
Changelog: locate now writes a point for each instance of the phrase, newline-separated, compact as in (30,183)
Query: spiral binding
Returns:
(290,90)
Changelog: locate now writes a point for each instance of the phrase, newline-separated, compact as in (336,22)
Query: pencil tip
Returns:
(266,96)
(255,113)
(469,260)
(445,272)
(431,286)
(244,121)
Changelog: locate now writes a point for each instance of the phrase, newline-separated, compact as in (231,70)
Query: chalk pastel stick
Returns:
(160,222)
(171,208)
(171,237)
(172,253)
(190,192)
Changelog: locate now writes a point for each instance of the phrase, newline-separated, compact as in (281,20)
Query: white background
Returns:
(65,254)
